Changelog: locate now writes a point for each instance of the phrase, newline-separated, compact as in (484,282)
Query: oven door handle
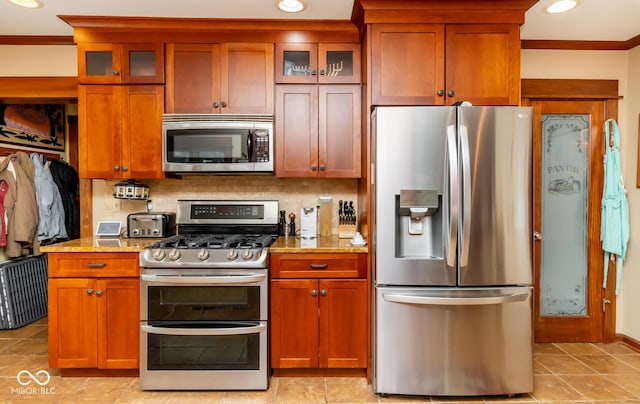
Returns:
(205,280)
(203,331)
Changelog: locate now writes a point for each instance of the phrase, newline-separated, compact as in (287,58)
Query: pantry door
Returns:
(570,304)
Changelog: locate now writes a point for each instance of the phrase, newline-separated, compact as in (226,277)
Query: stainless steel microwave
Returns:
(216,143)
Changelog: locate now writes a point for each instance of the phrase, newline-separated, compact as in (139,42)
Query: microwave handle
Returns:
(250,145)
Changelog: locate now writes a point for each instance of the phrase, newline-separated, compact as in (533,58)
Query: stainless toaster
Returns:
(151,224)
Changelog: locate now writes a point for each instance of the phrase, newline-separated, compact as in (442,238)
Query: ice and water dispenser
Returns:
(419,224)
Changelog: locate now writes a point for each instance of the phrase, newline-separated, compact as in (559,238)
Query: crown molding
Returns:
(581,45)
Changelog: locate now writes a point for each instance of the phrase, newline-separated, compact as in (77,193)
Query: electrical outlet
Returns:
(116,205)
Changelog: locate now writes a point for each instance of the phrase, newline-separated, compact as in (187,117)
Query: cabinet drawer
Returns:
(319,266)
(93,265)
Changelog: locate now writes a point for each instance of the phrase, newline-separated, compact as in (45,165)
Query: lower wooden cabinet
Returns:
(317,322)
(94,320)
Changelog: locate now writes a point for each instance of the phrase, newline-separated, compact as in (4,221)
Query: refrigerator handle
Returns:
(455,301)
(466,195)
(452,238)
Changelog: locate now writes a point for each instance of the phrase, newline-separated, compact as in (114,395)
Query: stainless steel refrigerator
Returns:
(451,250)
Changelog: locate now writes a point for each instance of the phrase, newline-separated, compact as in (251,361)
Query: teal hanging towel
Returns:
(614,231)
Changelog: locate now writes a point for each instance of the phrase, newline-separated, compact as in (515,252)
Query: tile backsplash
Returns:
(292,194)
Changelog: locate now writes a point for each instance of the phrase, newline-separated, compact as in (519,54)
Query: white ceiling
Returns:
(606,20)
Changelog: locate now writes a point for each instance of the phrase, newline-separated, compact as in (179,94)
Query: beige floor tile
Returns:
(631,383)
(579,348)
(107,389)
(631,360)
(606,364)
(546,349)
(552,388)
(539,369)
(563,365)
(349,390)
(22,332)
(300,390)
(616,348)
(593,387)
(27,346)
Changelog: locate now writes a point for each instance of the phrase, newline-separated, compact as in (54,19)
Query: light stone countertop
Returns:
(284,244)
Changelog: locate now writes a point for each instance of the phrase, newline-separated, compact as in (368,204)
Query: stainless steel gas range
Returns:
(204,298)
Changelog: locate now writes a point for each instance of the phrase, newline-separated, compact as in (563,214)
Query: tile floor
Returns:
(564,373)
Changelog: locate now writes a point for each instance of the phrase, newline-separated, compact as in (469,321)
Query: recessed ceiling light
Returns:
(561,6)
(27,3)
(291,6)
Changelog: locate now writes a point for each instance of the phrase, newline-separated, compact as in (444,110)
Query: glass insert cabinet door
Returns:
(120,63)
(317,63)
(564,203)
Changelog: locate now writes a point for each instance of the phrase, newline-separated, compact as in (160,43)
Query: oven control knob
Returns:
(232,255)
(174,254)
(158,255)
(203,255)
(247,255)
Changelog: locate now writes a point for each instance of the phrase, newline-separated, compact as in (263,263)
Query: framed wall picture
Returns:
(33,125)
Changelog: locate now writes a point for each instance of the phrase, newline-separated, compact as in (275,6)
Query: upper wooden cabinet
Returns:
(107,63)
(317,63)
(229,78)
(441,64)
(318,131)
(119,131)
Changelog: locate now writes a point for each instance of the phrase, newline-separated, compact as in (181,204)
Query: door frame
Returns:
(582,90)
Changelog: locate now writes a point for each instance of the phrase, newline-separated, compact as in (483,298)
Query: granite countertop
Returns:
(100,244)
(284,244)
(321,244)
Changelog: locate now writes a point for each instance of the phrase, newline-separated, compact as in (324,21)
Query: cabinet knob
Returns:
(322,72)
(440,93)
(314,167)
(223,104)
(89,292)
(116,168)
(314,293)
(215,104)
(115,72)
(323,292)
(322,167)
(451,93)
(313,72)
(125,168)
(99,292)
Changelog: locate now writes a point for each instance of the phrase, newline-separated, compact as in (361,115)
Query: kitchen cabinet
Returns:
(228,78)
(93,320)
(108,63)
(318,131)
(120,131)
(317,63)
(319,311)
(441,64)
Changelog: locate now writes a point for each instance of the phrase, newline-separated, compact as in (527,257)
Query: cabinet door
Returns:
(343,323)
(339,147)
(407,64)
(118,323)
(142,63)
(72,323)
(483,64)
(339,63)
(294,323)
(246,85)
(142,108)
(193,78)
(296,63)
(99,127)
(99,63)
(296,130)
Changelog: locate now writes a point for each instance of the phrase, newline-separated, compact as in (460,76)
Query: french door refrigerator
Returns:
(451,250)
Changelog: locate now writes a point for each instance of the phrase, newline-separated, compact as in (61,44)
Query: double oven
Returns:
(204,299)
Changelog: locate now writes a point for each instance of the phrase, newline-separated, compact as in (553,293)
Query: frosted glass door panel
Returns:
(565,172)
